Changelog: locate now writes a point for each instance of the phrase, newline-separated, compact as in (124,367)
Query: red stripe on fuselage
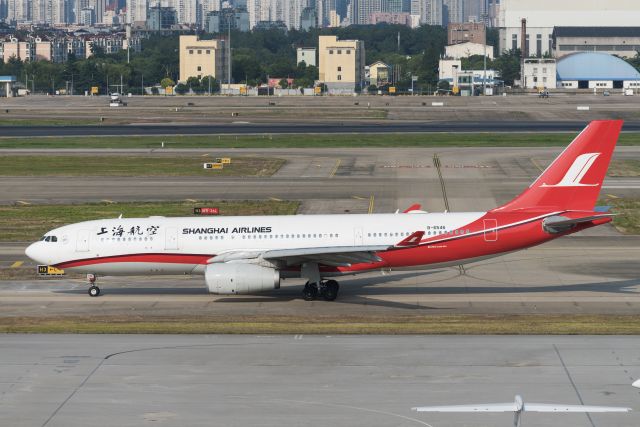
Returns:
(150,258)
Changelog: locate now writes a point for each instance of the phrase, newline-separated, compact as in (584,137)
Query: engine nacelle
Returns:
(238,278)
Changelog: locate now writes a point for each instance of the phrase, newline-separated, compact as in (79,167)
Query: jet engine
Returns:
(238,278)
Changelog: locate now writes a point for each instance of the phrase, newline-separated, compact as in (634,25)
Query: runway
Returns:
(131,380)
(298,127)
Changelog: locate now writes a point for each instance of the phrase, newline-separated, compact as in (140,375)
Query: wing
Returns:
(335,256)
(543,407)
(490,407)
(338,256)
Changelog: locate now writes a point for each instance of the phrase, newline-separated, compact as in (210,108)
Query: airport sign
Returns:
(47,270)
(206,211)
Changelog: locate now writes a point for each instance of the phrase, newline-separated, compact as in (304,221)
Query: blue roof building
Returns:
(591,70)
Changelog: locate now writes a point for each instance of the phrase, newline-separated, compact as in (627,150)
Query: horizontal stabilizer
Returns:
(411,208)
(543,407)
(559,224)
(492,407)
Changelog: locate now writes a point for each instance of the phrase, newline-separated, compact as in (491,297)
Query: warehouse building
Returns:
(543,15)
(620,41)
(589,70)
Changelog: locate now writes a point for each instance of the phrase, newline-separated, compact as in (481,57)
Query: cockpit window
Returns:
(54,238)
(49,239)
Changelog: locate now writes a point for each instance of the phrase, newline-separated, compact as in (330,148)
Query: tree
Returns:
(181,89)
(283,83)
(193,83)
(508,64)
(372,89)
(210,84)
(166,82)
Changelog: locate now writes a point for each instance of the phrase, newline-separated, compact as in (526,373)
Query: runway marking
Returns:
(358,198)
(613,196)
(22,202)
(335,168)
(537,165)
(573,384)
(357,408)
(205,155)
(275,199)
(17,264)
(191,200)
(371,200)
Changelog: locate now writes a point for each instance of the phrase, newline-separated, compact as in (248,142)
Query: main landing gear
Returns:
(93,291)
(325,289)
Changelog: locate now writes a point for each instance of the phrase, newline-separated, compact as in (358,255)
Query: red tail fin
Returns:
(574,179)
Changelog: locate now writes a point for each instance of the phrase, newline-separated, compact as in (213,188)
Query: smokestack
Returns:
(523,40)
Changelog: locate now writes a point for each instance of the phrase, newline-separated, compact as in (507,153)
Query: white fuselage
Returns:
(159,245)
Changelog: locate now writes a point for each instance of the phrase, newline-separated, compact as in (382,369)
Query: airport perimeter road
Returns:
(573,275)
(303,128)
(279,381)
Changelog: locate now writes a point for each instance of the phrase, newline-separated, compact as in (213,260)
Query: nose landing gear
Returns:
(94,290)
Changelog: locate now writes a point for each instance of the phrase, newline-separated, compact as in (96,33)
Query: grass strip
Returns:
(624,168)
(42,165)
(419,325)
(308,141)
(627,210)
(27,223)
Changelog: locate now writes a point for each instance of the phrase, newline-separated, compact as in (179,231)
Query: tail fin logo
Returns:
(577,171)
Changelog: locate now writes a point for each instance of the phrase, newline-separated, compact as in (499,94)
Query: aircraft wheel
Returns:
(310,292)
(94,291)
(331,288)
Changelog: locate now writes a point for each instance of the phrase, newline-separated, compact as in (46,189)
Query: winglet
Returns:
(413,240)
(415,207)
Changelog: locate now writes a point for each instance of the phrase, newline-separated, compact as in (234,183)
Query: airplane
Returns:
(636,384)
(251,254)
(519,406)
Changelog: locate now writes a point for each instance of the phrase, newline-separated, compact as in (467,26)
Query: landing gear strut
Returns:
(93,291)
(326,289)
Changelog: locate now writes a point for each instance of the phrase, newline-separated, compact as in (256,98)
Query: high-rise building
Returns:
(19,10)
(361,10)
(39,11)
(427,12)
(220,21)
(137,11)
(186,11)
(99,6)
(454,11)
(161,18)
(87,16)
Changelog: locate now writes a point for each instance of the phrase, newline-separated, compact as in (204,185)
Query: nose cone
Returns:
(32,251)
